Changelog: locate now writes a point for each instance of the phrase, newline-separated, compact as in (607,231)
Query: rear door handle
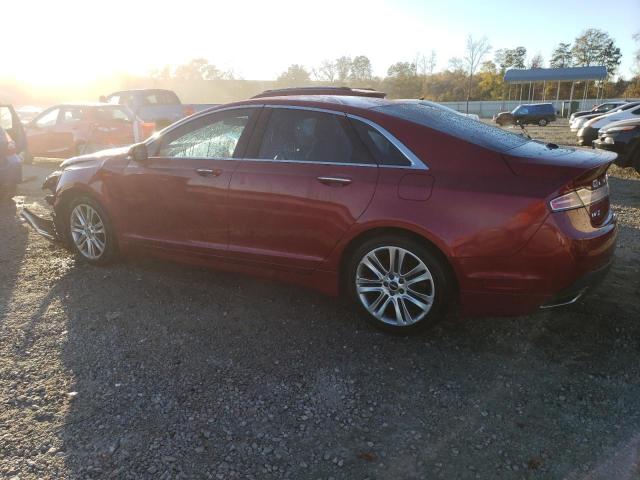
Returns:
(335,181)
(208,172)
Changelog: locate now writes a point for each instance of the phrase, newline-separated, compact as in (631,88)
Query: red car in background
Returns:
(63,131)
(404,207)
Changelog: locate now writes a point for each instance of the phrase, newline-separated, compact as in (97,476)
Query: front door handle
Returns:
(335,181)
(208,172)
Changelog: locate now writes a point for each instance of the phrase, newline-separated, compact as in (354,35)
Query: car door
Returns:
(177,198)
(40,131)
(305,180)
(111,126)
(69,131)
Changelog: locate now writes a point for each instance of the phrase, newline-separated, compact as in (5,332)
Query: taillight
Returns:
(595,198)
(188,111)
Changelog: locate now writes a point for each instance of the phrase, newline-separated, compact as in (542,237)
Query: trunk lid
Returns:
(569,178)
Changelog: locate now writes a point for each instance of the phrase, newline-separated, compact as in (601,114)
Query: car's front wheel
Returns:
(399,284)
(90,232)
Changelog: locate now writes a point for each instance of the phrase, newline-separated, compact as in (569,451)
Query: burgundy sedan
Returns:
(404,207)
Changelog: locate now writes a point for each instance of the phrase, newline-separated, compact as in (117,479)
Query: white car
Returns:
(589,130)
(579,122)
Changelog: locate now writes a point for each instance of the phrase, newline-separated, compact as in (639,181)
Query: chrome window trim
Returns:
(302,107)
(308,162)
(416,163)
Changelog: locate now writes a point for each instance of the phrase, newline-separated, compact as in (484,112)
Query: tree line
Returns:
(474,76)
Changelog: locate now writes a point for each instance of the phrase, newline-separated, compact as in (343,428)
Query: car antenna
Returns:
(524,131)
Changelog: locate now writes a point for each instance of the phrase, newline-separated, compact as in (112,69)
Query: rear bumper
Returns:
(576,291)
(586,135)
(557,266)
(611,147)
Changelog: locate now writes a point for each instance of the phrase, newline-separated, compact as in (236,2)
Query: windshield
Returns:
(458,126)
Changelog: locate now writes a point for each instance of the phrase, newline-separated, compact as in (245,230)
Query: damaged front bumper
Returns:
(43,226)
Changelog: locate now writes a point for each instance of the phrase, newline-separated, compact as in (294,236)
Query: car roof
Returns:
(322,90)
(87,104)
(621,123)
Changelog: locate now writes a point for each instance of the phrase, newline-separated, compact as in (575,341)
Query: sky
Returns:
(69,41)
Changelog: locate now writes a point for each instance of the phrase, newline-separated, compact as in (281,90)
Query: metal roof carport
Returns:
(520,76)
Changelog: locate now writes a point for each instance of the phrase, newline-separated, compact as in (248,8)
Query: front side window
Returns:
(521,111)
(48,119)
(214,136)
(310,136)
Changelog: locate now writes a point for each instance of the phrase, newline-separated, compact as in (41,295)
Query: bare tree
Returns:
(431,62)
(474,54)
(327,71)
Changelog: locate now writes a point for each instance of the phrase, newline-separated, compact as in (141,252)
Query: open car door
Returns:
(10,122)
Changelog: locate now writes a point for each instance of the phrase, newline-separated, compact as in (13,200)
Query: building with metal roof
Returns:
(572,74)
(521,76)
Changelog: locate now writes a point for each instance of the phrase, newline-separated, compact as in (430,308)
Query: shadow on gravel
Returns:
(192,372)
(12,251)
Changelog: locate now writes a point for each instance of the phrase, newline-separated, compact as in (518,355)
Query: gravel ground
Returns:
(154,370)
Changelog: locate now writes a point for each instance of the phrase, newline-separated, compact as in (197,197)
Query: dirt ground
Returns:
(153,370)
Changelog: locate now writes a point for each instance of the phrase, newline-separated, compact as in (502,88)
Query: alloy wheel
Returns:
(88,231)
(395,286)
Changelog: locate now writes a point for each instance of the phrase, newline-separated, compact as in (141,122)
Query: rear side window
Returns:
(382,149)
(160,98)
(311,136)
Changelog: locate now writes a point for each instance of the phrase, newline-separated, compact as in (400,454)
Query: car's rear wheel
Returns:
(542,122)
(90,232)
(399,284)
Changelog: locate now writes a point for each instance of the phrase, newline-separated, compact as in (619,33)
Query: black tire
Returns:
(441,285)
(108,239)
(543,122)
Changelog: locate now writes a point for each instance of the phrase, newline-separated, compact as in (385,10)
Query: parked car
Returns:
(64,131)
(532,113)
(12,143)
(579,122)
(597,109)
(623,138)
(162,107)
(402,206)
(589,131)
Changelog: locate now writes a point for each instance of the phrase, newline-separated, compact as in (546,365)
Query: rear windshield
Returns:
(455,125)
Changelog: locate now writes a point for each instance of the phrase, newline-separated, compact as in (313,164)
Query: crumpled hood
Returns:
(97,156)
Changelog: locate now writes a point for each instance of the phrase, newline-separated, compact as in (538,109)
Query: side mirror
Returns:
(102,99)
(139,153)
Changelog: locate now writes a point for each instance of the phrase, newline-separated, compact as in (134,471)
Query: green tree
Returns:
(198,69)
(296,75)
(596,47)
(510,58)
(561,57)
(361,69)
